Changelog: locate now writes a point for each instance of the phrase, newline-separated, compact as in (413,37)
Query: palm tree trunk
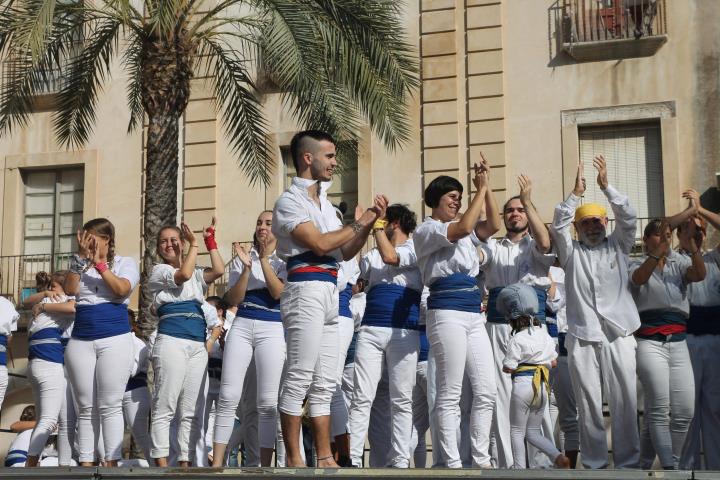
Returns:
(161,171)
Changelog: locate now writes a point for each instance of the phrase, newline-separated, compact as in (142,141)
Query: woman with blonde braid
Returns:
(99,354)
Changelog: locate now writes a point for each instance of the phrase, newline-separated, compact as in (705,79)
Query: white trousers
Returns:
(421,416)
(705,427)
(338,408)
(380,427)
(607,369)
(49,387)
(526,421)
(180,368)
(397,349)
(3,383)
(499,334)
(460,345)
(67,434)
(136,410)
(565,398)
(98,371)
(663,368)
(264,342)
(309,313)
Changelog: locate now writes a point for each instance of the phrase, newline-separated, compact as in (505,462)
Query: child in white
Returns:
(8,324)
(531,353)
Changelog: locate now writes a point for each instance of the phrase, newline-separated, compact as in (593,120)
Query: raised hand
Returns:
(380,205)
(525,185)
(601,166)
(187,234)
(209,236)
(84,239)
(242,254)
(664,246)
(266,246)
(693,197)
(94,251)
(579,188)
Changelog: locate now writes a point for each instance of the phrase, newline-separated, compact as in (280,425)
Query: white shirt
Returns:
(509,263)
(52,320)
(406,273)
(599,302)
(532,345)
(8,317)
(162,284)
(142,356)
(357,307)
(93,289)
(348,273)
(257,279)
(295,207)
(707,292)
(666,290)
(557,303)
(438,257)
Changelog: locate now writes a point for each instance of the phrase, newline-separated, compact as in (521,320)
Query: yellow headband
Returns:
(590,210)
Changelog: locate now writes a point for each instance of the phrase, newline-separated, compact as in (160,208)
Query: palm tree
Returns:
(338,64)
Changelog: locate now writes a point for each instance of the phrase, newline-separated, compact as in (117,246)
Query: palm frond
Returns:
(32,25)
(240,110)
(132,59)
(74,119)
(162,16)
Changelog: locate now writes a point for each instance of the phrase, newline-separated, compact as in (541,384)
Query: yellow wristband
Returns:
(379,225)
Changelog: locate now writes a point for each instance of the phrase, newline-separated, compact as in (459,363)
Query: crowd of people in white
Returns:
(502,350)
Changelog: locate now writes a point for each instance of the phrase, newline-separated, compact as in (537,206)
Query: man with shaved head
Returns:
(601,317)
(311,239)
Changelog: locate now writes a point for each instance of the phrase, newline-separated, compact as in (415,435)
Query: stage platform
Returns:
(76,473)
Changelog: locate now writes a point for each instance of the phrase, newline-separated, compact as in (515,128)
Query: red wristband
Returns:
(101,267)
(210,242)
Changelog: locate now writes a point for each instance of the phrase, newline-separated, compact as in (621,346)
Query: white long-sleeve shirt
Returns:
(532,346)
(509,262)
(557,302)
(599,302)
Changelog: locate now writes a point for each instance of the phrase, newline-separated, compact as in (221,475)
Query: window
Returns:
(53,210)
(634,157)
(344,187)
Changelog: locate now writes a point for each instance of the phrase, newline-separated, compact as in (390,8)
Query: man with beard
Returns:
(601,317)
(522,255)
(311,240)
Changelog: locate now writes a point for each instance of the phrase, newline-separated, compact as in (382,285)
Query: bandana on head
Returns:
(590,210)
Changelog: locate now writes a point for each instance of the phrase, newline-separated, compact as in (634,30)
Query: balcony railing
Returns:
(612,29)
(17,273)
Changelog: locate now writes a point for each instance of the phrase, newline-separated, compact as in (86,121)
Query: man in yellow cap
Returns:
(601,317)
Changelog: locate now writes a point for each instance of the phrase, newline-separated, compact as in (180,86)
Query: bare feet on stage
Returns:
(327,462)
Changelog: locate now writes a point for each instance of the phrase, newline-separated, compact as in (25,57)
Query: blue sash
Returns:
(3,349)
(704,320)
(390,305)
(100,321)
(259,305)
(424,346)
(350,356)
(182,320)
(455,292)
(46,344)
(345,296)
(307,266)
(15,456)
(496,317)
(562,351)
(215,368)
(552,328)
(137,381)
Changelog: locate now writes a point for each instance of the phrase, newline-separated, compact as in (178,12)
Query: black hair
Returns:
(401,213)
(516,197)
(655,226)
(439,187)
(518,324)
(297,149)
(217,302)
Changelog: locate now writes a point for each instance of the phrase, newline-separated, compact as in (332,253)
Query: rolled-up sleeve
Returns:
(289,213)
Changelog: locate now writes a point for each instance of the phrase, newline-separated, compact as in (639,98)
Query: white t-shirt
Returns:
(406,273)
(707,292)
(93,289)
(162,284)
(509,262)
(438,257)
(257,279)
(533,346)
(357,307)
(666,290)
(142,356)
(44,320)
(8,317)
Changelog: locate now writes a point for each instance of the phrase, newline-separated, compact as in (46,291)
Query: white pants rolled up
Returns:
(309,313)
(664,370)
(460,345)
(98,371)
(136,410)
(180,366)
(526,421)
(265,342)
(338,408)
(705,426)
(609,368)
(49,386)
(397,349)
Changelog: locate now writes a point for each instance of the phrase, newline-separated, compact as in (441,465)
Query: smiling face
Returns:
(448,206)
(263,227)
(591,230)
(169,245)
(322,160)
(515,217)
